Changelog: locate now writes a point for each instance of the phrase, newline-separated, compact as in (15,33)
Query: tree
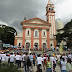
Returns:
(5,67)
(7,34)
(66,35)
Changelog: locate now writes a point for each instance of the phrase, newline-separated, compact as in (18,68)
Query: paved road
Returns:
(49,52)
(52,52)
(57,69)
(35,69)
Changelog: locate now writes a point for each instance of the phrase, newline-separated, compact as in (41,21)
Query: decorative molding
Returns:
(33,19)
(24,28)
(38,24)
(47,29)
(32,28)
(40,29)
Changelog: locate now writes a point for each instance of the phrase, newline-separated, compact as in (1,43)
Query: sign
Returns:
(6,45)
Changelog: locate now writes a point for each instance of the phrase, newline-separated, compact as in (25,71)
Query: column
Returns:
(40,39)
(32,37)
(55,44)
(23,43)
(48,39)
(15,42)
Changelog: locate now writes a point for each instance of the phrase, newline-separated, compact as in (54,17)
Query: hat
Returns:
(7,50)
(53,55)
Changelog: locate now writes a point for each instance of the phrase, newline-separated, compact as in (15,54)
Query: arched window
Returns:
(44,45)
(36,33)
(49,8)
(51,44)
(36,45)
(19,44)
(27,44)
(28,32)
(44,33)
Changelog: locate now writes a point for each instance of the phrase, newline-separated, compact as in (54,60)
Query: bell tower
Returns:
(50,16)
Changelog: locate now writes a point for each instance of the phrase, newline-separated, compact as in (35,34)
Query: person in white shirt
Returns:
(56,59)
(23,59)
(12,57)
(58,56)
(17,57)
(3,57)
(20,60)
(65,57)
(63,65)
(39,62)
(52,58)
(7,58)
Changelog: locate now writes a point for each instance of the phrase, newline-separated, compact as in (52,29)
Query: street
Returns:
(35,69)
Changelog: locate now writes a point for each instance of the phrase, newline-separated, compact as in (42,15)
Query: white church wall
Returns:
(45,33)
(29,42)
(44,41)
(20,34)
(34,33)
(19,41)
(26,33)
(51,42)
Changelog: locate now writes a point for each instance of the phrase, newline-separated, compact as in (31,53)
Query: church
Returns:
(37,32)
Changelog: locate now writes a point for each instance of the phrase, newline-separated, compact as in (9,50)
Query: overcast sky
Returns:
(12,12)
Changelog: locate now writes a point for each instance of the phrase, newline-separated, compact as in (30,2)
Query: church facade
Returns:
(37,32)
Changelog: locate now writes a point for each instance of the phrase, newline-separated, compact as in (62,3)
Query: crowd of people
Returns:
(46,62)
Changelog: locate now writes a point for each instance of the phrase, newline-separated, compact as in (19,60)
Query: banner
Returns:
(6,45)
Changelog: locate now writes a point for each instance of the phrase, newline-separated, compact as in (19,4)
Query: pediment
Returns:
(35,21)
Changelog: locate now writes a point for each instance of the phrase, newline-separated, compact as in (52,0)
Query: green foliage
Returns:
(7,34)
(66,35)
(4,67)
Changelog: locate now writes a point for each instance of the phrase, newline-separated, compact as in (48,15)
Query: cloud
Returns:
(13,12)
(3,23)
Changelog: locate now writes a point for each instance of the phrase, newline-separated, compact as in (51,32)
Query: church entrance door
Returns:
(36,45)
(27,45)
(44,45)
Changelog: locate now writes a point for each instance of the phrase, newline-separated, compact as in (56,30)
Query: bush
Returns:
(4,67)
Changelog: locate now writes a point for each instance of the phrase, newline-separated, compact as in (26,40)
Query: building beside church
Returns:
(37,32)
(60,25)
